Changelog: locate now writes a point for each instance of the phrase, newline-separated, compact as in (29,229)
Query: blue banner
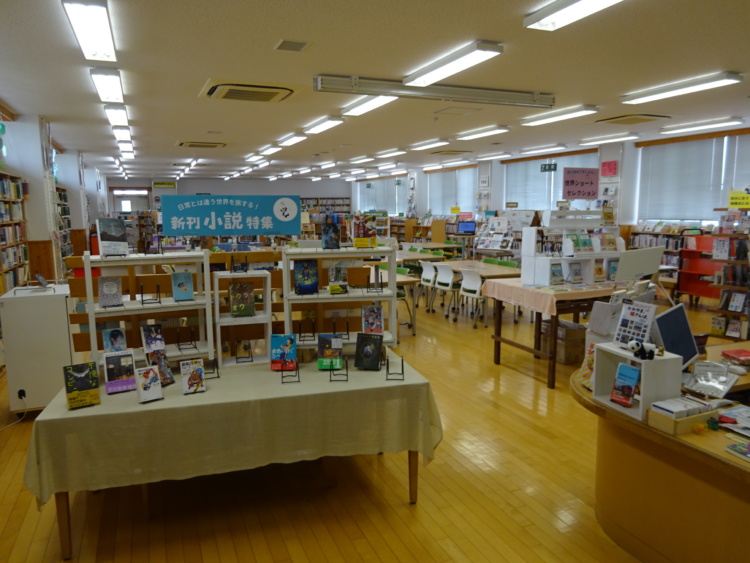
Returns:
(194,215)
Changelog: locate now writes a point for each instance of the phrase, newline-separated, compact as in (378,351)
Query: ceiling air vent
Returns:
(633,119)
(248,92)
(451,152)
(201,145)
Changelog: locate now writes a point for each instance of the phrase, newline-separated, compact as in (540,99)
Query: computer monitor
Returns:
(467,227)
(636,264)
(671,329)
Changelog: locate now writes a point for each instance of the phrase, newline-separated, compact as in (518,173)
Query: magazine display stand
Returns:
(135,307)
(387,296)
(262,317)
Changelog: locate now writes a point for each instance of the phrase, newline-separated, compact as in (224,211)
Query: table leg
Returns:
(498,328)
(537,332)
(413,476)
(414,298)
(62,504)
(552,361)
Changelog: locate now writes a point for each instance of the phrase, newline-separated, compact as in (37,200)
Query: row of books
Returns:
(13,255)
(650,241)
(731,327)
(574,273)
(12,234)
(731,300)
(15,277)
(732,274)
(11,212)
(11,189)
(682,407)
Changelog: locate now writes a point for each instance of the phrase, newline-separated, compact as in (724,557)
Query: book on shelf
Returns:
(193,376)
(158,358)
(585,243)
(330,351)
(612,268)
(241,299)
(556,276)
(364,231)
(681,407)
(81,385)
(153,338)
(372,319)
(338,279)
(283,352)
(574,241)
(626,384)
(182,286)
(734,328)
(110,291)
(721,248)
(635,322)
(608,216)
(609,242)
(718,325)
(330,235)
(148,384)
(575,273)
(113,238)
(740,449)
(599,274)
(306,276)
(740,357)
(737,302)
(119,371)
(114,340)
(368,351)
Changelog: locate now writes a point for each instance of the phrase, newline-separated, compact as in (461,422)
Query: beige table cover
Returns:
(514,292)
(247,418)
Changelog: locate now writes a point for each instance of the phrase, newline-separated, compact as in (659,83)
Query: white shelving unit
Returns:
(387,295)
(195,262)
(264,317)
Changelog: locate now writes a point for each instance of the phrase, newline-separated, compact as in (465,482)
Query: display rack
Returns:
(696,271)
(63,221)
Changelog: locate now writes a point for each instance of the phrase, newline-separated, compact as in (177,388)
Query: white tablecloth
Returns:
(247,418)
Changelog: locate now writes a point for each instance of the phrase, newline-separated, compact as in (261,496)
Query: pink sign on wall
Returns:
(609,168)
(580,183)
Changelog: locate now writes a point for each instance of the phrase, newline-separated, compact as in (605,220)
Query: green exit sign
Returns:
(368,185)
(549,167)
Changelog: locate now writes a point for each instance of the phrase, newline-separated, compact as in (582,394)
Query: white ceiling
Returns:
(167,51)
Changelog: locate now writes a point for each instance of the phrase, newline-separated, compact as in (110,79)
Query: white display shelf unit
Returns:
(661,378)
(386,296)
(226,320)
(194,262)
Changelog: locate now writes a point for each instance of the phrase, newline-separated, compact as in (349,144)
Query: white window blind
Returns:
(452,188)
(383,194)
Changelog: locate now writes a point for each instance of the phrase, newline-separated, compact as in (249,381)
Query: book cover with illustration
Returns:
(148,384)
(305,277)
(114,340)
(626,385)
(610,242)
(372,319)
(338,279)
(330,351)
(81,385)
(368,351)
(635,322)
(241,299)
(283,352)
(182,286)
(364,231)
(612,264)
(575,274)
(193,376)
(330,235)
(110,291)
(574,241)
(740,449)
(556,276)
(584,241)
(119,372)
(113,238)
(153,338)
(599,274)
(158,358)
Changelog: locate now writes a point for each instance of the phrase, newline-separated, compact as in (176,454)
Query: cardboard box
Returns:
(571,341)
(677,426)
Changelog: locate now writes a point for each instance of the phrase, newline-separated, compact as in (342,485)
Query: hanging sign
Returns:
(192,215)
(580,183)
(511,205)
(550,167)
(609,168)
(455,210)
(739,199)
(164,185)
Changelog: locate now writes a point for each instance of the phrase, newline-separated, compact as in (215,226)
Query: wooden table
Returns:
(245,419)
(439,245)
(554,304)
(485,271)
(462,239)
(407,256)
(713,354)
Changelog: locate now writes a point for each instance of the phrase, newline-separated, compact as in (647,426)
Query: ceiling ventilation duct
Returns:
(632,119)
(200,145)
(248,92)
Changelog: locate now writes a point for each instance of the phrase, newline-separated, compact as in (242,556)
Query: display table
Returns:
(486,272)
(541,302)
(246,419)
(713,354)
(668,498)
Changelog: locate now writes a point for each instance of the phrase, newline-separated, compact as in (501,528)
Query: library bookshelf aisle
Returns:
(656,492)
(400,226)
(14,250)
(128,443)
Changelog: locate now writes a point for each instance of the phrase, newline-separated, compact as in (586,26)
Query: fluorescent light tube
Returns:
(371,176)
(361,159)
(461,59)
(558,115)
(429,144)
(286,175)
(248,170)
(236,175)
(367,103)
(269,149)
(608,139)
(390,153)
(683,87)
(455,162)
(387,166)
(336,175)
(127,155)
(562,12)
(484,132)
(252,157)
(349,179)
(292,139)
(90,23)
(540,150)
(701,125)
(126,146)
(397,172)
(304,171)
(130,192)
(193,163)
(272,178)
(122,133)
(326,165)
(117,114)
(108,84)
(315,178)
(432,167)
(263,164)
(323,125)
(497,156)
(357,171)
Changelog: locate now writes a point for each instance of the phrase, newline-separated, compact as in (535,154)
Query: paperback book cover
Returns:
(153,338)
(148,384)
(599,274)
(720,249)
(330,351)
(338,279)
(330,235)
(158,358)
(364,230)
(119,372)
(110,291)
(739,357)
(734,328)
(283,352)
(193,376)
(372,319)
(610,242)
(608,216)
(718,325)
(584,241)
(306,277)
(368,351)
(81,385)
(635,322)
(573,238)
(740,449)
(113,238)
(613,264)
(114,340)
(626,383)
(575,274)
(182,286)
(241,299)
(556,276)
(737,302)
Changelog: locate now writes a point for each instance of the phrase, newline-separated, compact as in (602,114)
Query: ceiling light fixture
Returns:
(262,164)
(607,139)
(390,153)
(323,125)
(286,175)
(455,163)
(558,115)
(484,132)
(193,163)
(252,157)
(304,171)
(367,103)
(357,171)
(336,175)
(349,179)
(429,144)
(546,148)
(372,176)
(562,12)
(453,63)
(126,155)
(702,125)
(398,172)
(361,159)
(497,156)
(236,175)
(327,165)
(273,178)
(269,149)
(387,166)
(683,87)
(122,133)
(129,192)
(432,167)
(107,83)
(126,146)
(90,22)
(315,178)
(117,114)
(292,139)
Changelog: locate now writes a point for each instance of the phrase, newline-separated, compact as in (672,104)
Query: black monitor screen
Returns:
(672,330)
(467,227)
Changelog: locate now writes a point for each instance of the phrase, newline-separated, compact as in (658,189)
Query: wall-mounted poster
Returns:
(580,183)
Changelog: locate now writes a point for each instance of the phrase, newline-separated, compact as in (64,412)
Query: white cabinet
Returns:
(661,378)
(262,317)
(385,296)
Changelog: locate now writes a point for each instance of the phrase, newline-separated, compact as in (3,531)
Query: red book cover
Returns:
(741,357)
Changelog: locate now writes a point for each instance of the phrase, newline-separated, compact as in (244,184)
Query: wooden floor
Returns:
(512,481)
